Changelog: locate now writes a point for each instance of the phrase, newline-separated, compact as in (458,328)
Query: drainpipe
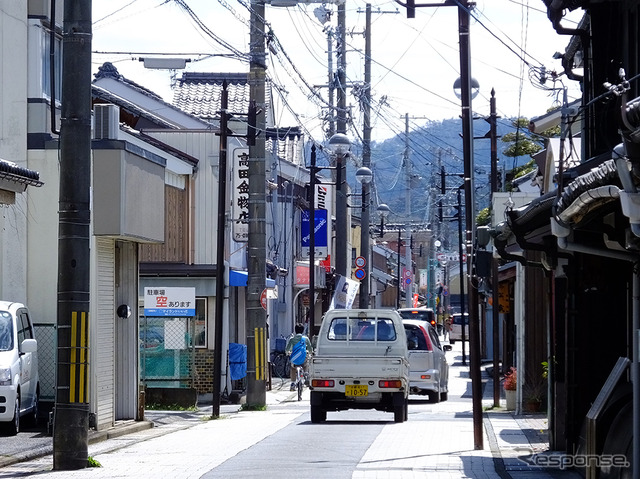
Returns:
(630,200)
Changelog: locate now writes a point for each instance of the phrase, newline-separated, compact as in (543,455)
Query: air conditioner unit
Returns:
(106,122)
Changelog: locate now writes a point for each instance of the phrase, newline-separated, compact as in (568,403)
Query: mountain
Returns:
(435,145)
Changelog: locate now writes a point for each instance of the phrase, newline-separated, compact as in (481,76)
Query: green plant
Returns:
(545,369)
(511,379)
(253,407)
(168,407)
(483,217)
(534,389)
(91,462)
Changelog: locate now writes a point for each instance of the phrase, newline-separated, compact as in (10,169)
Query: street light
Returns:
(457,88)
(383,212)
(364,177)
(339,145)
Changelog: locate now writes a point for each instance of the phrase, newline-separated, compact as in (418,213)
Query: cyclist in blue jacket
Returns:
(298,353)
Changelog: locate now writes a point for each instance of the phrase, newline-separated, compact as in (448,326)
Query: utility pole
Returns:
(332,129)
(220,266)
(407,211)
(467,141)
(71,413)
(342,228)
(493,135)
(256,326)
(365,239)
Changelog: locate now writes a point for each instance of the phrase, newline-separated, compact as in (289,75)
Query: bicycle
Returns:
(280,364)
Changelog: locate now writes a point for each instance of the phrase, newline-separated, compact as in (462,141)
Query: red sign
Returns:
(263,299)
(327,264)
(360,273)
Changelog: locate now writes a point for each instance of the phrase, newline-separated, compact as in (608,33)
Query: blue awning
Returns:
(239,278)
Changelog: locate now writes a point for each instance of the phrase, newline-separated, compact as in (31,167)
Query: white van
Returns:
(455,333)
(19,381)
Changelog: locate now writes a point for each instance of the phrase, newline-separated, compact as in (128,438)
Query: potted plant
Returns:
(510,384)
(534,391)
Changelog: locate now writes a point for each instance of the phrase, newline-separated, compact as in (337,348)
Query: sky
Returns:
(414,62)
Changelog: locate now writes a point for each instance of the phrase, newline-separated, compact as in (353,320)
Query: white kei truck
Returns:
(361,361)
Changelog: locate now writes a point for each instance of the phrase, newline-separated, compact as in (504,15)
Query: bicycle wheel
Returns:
(300,386)
(279,365)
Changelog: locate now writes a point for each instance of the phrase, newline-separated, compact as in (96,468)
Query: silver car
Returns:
(19,381)
(428,367)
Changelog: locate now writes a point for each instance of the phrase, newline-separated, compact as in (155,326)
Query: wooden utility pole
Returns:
(71,410)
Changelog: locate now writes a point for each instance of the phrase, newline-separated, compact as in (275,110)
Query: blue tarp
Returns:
(237,361)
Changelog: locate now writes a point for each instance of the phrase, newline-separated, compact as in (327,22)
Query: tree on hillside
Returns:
(521,142)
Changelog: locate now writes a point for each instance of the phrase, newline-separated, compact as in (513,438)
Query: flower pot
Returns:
(533,405)
(511,399)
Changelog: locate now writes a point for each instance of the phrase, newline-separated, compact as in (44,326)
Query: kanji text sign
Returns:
(173,302)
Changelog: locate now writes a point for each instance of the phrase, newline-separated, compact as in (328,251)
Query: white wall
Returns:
(13,144)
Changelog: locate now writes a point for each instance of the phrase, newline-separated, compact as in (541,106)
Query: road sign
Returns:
(263,299)
(360,273)
(361,262)
(407,281)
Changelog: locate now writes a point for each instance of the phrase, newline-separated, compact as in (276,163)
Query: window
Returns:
(46,65)
(356,329)
(6,331)
(415,337)
(434,338)
(24,327)
(200,329)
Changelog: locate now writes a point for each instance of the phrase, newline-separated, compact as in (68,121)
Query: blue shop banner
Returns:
(321,233)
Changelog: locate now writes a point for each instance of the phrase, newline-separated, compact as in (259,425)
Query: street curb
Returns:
(129,427)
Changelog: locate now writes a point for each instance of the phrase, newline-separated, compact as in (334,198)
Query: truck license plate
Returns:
(356,390)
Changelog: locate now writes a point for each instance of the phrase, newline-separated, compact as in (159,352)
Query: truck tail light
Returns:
(425,376)
(393,383)
(322,383)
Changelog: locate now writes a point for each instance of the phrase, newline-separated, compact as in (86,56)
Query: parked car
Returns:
(455,334)
(19,380)
(428,367)
(423,314)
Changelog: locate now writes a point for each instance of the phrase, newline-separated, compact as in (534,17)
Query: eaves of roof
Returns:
(108,70)
(102,95)
(163,146)
(16,178)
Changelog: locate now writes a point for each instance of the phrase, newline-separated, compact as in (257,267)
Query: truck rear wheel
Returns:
(318,414)
(400,412)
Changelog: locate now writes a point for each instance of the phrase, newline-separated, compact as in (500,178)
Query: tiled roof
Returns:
(12,174)
(199,93)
